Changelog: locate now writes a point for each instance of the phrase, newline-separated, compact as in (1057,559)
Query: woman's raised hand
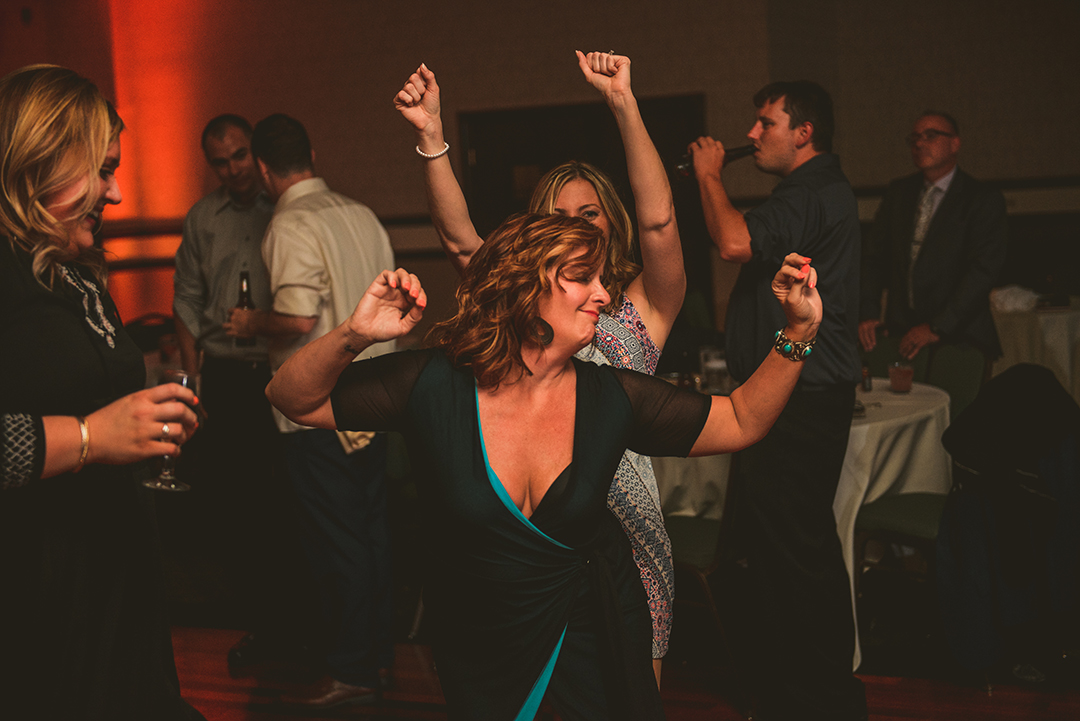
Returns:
(795,286)
(391,307)
(418,102)
(133,428)
(607,72)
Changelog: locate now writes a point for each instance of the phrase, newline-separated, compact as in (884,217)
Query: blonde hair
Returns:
(620,268)
(500,292)
(55,129)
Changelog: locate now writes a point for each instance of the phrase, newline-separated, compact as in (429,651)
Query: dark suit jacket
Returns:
(962,253)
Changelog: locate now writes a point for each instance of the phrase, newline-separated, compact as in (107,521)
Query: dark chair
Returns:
(960,370)
(906,519)
(1009,541)
(912,519)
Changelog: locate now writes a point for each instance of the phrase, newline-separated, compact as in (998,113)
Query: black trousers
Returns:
(802,632)
(241,494)
(346,539)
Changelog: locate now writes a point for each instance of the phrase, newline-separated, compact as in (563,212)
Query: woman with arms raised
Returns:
(531,587)
(633,329)
(82,627)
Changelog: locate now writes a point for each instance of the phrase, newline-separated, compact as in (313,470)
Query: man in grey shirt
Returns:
(242,498)
(222,238)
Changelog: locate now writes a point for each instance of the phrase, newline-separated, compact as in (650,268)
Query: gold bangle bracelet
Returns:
(84,437)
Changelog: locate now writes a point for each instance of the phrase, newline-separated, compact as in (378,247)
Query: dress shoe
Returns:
(330,693)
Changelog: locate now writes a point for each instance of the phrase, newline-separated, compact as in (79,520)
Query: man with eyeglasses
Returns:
(937,245)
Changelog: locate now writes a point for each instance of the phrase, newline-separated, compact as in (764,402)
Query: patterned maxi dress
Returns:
(623,341)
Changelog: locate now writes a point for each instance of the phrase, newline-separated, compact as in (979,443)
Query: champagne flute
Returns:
(167,480)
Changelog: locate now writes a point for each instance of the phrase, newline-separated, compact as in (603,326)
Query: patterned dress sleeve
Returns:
(22,449)
(667,420)
(372,394)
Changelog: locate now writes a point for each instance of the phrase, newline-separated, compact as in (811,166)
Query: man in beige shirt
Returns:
(323,250)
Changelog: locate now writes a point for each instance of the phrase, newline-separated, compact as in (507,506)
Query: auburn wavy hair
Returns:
(500,292)
(620,268)
(55,129)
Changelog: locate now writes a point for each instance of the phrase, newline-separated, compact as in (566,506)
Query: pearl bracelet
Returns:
(793,350)
(429,156)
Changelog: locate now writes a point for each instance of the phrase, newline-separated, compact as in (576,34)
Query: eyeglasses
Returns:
(928,135)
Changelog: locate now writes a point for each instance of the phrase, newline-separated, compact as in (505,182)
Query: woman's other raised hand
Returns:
(391,307)
(795,286)
(418,102)
(607,72)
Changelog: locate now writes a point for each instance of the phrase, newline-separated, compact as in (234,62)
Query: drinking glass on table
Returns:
(167,480)
(714,372)
(901,374)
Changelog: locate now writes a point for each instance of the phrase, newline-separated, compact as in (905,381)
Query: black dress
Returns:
(82,629)
(519,606)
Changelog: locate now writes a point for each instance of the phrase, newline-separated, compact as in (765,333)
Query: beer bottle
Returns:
(245,303)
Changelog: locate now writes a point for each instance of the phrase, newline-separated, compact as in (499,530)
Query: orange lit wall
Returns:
(156,72)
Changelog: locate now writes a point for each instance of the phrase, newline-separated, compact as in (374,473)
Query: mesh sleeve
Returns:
(667,420)
(372,394)
(22,449)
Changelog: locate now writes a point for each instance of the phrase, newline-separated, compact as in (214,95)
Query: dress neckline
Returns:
(554,490)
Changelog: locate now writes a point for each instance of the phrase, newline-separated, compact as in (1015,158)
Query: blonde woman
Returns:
(82,630)
(645,299)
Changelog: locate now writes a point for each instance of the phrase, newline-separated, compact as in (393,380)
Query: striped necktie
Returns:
(922,222)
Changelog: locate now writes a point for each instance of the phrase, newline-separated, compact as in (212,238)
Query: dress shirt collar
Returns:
(821,160)
(944,181)
(300,189)
(224,200)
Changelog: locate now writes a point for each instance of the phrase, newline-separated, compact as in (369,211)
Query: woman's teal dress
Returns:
(522,607)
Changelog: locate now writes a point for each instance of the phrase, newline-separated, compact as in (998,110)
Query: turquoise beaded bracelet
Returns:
(793,350)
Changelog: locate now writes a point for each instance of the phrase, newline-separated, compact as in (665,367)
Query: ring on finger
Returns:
(165,432)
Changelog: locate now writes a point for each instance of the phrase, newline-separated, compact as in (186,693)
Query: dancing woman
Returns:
(647,298)
(531,588)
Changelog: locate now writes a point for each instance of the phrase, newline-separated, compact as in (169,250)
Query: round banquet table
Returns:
(895,448)
(1047,336)
(694,487)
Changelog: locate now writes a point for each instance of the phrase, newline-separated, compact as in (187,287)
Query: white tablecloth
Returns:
(693,486)
(895,448)
(1048,337)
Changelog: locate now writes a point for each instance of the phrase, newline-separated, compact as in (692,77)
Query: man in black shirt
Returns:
(803,627)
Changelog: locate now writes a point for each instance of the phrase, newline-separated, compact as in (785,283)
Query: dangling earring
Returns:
(543,333)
